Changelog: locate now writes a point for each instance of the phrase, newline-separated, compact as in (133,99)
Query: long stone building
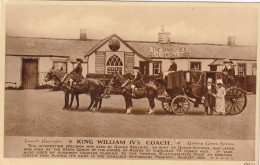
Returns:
(28,59)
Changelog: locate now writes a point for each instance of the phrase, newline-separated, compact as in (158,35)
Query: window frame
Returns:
(195,62)
(114,66)
(62,61)
(254,65)
(160,67)
(238,73)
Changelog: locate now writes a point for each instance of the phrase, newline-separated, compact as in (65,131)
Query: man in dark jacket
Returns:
(138,81)
(229,72)
(209,97)
(77,71)
(173,66)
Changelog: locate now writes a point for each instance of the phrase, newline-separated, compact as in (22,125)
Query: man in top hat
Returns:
(77,71)
(173,68)
(138,81)
(229,71)
(209,97)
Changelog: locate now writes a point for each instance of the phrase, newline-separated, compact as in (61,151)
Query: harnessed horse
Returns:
(148,91)
(92,86)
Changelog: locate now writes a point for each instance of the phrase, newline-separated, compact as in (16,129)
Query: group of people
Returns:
(214,98)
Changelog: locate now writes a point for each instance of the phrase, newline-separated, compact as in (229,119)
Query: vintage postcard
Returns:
(133,81)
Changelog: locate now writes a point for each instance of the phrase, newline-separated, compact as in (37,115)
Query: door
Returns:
(30,73)
(144,66)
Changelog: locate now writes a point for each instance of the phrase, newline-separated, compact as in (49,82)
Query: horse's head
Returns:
(49,75)
(118,78)
(55,75)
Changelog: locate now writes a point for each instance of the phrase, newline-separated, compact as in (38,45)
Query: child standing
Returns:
(209,97)
(220,97)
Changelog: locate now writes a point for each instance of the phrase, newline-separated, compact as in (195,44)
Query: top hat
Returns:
(227,61)
(79,60)
(210,80)
(219,81)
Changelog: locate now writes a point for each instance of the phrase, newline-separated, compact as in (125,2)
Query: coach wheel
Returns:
(166,104)
(235,101)
(180,105)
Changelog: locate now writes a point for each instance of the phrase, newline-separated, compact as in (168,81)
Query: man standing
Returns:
(209,97)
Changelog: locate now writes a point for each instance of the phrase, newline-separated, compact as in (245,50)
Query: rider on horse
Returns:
(138,81)
(76,74)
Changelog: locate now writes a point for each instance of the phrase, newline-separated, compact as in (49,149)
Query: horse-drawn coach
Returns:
(184,87)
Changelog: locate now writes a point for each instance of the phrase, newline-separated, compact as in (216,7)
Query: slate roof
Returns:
(48,47)
(74,48)
(211,51)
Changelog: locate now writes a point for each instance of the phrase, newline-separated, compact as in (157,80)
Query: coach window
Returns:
(157,67)
(114,64)
(241,69)
(59,65)
(254,69)
(196,66)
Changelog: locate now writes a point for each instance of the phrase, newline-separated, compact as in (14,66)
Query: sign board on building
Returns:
(169,52)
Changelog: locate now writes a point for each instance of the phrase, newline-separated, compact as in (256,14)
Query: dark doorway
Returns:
(144,66)
(30,73)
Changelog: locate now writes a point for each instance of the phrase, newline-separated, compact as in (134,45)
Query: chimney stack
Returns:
(164,37)
(231,41)
(162,28)
(83,34)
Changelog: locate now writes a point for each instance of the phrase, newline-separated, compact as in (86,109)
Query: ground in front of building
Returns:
(39,113)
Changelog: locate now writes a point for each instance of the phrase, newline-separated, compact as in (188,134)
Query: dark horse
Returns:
(92,86)
(148,91)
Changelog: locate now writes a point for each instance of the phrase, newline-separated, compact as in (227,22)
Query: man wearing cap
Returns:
(77,71)
(138,81)
(209,97)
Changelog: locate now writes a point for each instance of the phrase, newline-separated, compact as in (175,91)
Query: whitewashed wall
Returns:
(13,71)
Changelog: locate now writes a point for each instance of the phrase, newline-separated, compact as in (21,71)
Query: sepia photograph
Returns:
(129,80)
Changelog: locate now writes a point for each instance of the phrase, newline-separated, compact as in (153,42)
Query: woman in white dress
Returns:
(220,98)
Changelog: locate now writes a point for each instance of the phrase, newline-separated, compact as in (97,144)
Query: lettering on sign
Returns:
(169,52)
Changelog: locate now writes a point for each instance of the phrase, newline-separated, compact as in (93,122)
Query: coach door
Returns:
(30,73)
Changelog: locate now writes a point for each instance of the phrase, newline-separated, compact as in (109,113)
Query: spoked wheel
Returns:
(180,105)
(235,101)
(166,104)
